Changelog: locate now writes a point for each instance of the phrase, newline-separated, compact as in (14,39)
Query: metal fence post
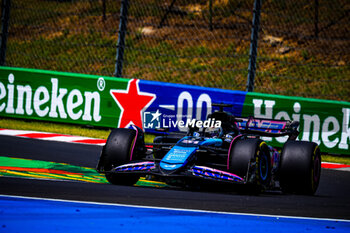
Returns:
(121,38)
(316,19)
(5,8)
(211,15)
(104,17)
(253,45)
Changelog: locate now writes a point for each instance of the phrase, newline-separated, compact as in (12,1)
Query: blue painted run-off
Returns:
(33,215)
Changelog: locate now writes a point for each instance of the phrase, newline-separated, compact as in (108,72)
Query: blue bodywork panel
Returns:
(176,157)
(179,155)
(197,141)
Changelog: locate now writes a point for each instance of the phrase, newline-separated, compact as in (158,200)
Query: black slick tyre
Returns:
(250,159)
(119,149)
(300,167)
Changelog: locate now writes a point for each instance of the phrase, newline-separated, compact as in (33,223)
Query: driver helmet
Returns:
(213,132)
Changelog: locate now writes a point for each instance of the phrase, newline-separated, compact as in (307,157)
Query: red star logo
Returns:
(132,104)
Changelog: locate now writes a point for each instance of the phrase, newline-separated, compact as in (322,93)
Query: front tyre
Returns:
(122,146)
(300,167)
(250,159)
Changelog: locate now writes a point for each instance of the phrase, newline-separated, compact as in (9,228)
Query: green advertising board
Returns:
(322,121)
(58,96)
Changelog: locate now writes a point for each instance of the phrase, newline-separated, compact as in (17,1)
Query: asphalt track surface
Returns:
(332,199)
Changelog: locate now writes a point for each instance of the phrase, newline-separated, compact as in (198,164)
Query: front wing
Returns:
(152,168)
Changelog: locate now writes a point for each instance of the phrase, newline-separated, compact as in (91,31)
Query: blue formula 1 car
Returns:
(233,153)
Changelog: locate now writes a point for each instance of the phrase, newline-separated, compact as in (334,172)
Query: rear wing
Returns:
(268,127)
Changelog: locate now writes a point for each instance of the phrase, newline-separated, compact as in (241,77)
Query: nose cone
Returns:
(176,158)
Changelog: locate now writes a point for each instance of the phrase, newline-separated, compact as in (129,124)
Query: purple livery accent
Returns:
(275,158)
(142,166)
(229,151)
(135,139)
(215,174)
(247,123)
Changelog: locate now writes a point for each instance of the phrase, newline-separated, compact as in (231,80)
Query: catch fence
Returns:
(303,47)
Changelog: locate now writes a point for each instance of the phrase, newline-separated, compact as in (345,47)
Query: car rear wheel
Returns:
(250,159)
(122,146)
(300,167)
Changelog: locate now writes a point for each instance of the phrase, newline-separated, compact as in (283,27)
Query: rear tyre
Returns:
(122,146)
(250,159)
(300,167)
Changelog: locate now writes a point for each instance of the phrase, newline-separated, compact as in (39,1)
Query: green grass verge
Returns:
(100,133)
(18,167)
(336,159)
